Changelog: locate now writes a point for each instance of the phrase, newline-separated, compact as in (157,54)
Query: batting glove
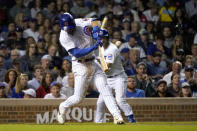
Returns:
(95,32)
(100,42)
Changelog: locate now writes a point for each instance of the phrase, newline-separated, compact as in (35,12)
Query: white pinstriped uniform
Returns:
(117,82)
(83,73)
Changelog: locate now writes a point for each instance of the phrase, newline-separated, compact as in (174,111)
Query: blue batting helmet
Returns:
(66,21)
(103,33)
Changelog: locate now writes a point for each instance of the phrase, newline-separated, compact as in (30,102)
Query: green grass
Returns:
(153,126)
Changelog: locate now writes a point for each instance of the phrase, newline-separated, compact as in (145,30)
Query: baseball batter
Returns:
(77,40)
(116,79)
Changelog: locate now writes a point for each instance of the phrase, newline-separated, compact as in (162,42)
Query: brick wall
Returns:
(145,110)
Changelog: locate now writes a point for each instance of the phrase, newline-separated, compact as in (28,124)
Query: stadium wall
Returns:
(43,111)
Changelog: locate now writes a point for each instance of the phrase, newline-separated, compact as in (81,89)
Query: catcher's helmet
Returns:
(66,21)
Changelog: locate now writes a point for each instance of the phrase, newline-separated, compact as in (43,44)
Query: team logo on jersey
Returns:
(109,57)
(87,31)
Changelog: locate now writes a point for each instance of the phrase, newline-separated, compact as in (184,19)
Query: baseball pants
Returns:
(118,84)
(91,71)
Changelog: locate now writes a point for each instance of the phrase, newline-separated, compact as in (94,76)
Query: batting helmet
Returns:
(67,21)
(103,33)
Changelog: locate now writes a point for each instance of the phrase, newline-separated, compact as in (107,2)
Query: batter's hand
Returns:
(100,42)
(95,32)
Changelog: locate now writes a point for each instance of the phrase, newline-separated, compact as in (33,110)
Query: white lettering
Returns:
(54,115)
(76,114)
(45,118)
(106,115)
(68,114)
(85,114)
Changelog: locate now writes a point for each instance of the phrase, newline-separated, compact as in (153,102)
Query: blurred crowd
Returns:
(158,50)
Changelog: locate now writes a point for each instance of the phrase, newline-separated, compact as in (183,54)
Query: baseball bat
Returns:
(101,49)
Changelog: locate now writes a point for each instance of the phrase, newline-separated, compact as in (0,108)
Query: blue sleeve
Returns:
(13,93)
(149,50)
(142,94)
(82,52)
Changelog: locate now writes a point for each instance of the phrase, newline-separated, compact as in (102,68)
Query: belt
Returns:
(86,60)
(112,76)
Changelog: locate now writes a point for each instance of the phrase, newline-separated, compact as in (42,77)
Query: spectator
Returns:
(194,55)
(29,93)
(59,5)
(179,56)
(20,41)
(2,90)
(42,32)
(21,84)
(56,60)
(168,38)
(56,30)
(177,44)
(79,8)
(150,27)
(10,79)
(152,13)
(143,41)
(66,7)
(4,51)
(49,12)
(69,90)
(131,15)
(10,42)
(47,38)
(185,90)
(157,68)
(174,87)
(40,19)
(166,12)
(19,20)
(193,85)
(47,26)
(143,81)
(31,57)
(14,54)
(36,8)
(134,56)
(41,47)
(55,91)
(181,24)
(157,46)
(188,61)
(162,90)
(46,62)
(131,89)
(116,35)
(2,70)
(126,28)
(17,9)
(189,73)
(31,31)
(64,71)
(135,28)
(11,27)
(195,39)
(116,22)
(132,43)
(191,7)
(176,68)
(45,85)
(124,54)
(17,65)
(36,81)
